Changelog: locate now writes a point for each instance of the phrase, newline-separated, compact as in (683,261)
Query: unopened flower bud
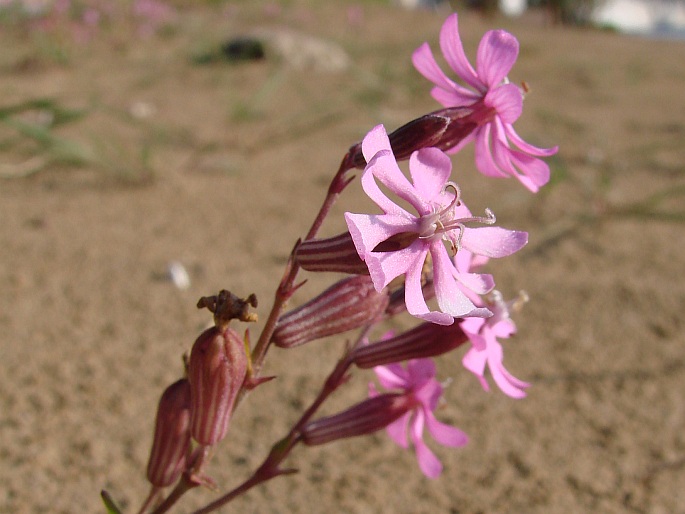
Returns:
(217,368)
(425,340)
(337,254)
(443,129)
(171,442)
(364,418)
(346,305)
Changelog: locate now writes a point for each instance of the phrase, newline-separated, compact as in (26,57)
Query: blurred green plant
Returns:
(32,134)
(34,121)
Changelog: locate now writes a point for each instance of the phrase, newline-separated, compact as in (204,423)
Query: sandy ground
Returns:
(221,167)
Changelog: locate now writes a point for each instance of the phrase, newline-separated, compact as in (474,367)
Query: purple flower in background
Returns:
(417,381)
(487,350)
(398,243)
(501,101)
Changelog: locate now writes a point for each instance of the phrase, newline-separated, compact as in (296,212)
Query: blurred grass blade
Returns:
(59,114)
(109,503)
(62,149)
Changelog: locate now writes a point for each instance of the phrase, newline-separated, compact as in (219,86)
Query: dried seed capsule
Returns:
(216,371)
(346,305)
(171,442)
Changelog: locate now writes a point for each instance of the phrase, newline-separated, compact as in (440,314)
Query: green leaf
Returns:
(109,503)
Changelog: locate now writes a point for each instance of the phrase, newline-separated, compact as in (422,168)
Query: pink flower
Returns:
(398,243)
(417,382)
(501,102)
(487,350)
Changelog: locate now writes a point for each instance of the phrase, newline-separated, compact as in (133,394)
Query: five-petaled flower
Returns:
(398,243)
(418,382)
(500,103)
(487,350)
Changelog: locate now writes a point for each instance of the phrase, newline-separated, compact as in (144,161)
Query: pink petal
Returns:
(526,147)
(507,100)
(484,160)
(496,56)
(478,340)
(504,328)
(457,97)
(420,370)
(430,170)
(373,392)
(475,361)
(416,303)
(535,170)
(425,64)
(384,267)
(462,261)
(501,152)
(428,393)
(428,462)
(375,141)
(385,169)
(369,230)
(397,430)
(444,434)
(493,241)
(450,298)
(508,384)
(479,283)
(392,376)
(383,164)
(530,171)
(452,49)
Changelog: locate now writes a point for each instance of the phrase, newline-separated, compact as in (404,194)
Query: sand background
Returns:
(222,167)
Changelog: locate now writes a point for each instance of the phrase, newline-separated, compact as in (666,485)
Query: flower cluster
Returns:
(437,245)
(422,254)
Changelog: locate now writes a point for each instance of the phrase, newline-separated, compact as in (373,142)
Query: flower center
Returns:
(444,222)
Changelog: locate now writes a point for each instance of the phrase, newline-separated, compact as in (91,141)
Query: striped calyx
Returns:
(171,442)
(217,369)
(346,305)
(364,418)
(337,254)
(425,340)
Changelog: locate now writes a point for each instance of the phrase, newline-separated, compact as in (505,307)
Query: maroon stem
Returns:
(285,288)
(270,468)
(181,488)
